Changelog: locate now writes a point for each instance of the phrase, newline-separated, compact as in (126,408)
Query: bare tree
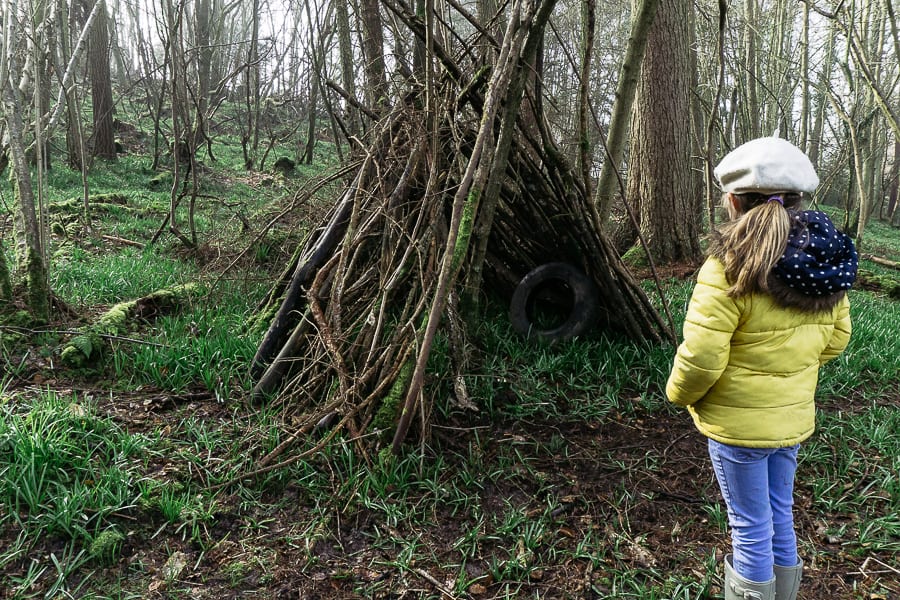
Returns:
(372,32)
(893,185)
(251,86)
(749,78)
(869,104)
(803,137)
(348,79)
(585,148)
(30,257)
(74,132)
(203,52)
(820,102)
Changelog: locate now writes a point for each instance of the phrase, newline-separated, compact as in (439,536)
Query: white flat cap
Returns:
(766,165)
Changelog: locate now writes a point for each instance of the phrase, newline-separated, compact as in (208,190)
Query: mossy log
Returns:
(85,348)
(887,283)
(99,201)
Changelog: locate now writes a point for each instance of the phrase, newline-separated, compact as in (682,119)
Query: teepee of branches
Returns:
(459,192)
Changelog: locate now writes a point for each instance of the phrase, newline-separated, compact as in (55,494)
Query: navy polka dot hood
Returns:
(818,266)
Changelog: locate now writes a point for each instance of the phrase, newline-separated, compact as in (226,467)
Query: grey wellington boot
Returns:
(787,581)
(738,588)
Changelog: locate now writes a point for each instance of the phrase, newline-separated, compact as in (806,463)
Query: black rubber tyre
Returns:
(555,302)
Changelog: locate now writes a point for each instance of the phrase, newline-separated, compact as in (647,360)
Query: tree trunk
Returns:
(74,137)
(857,170)
(585,147)
(780,79)
(204,57)
(659,173)
(182,149)
(488,16)
(311,122)
(818,125)
(31,259)
(348,70)
(752,111)
(803,139)
(101,88)
(250,139)
(709,183)
(893,184)
(373,53)
(118,65)
(44,26)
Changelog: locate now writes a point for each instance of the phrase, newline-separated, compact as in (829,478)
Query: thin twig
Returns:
(106,336)
(427,577)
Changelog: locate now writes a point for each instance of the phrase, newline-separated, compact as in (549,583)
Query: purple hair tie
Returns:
(777,198)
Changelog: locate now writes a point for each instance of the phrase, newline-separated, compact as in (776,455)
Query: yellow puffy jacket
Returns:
(747,369)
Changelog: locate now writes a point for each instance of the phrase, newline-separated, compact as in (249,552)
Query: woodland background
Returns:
(176,424)
(820,74)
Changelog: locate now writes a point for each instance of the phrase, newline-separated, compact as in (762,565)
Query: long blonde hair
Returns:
(753,241)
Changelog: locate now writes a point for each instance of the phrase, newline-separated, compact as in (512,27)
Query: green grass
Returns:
(871,362)
(850,467)
(85,279)
(583,379)
(65,471)
(200,345)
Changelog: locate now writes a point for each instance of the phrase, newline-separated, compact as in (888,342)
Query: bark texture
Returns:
(660,180)
(101,88)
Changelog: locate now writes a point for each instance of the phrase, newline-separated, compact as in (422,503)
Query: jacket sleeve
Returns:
(841,335)
(711,320)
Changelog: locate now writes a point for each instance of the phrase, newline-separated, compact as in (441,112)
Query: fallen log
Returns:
(882,261)
(123,241)
(90,341)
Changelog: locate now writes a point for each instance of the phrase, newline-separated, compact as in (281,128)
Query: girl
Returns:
(769,308)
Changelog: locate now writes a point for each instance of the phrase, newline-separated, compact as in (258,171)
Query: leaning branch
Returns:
(625,92)
(74,61)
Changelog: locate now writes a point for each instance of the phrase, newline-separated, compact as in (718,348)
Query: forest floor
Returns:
(639,487)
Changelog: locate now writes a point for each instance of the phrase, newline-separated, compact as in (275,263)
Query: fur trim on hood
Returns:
(789,297)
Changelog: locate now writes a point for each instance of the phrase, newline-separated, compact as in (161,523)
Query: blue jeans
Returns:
(758,487)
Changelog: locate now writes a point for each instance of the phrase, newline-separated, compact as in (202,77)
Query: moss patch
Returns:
(636,257)
(37,286)
(89,345)
(465,231)
(105,547)
(6,293)
(887,284)
(385,421)
(161,181)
